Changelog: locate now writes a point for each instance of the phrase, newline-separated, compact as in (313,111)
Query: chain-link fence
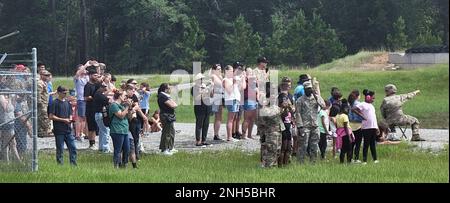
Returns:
(18,111)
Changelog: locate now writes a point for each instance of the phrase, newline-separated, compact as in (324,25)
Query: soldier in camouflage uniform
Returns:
(270,127)
(43,120)
(306,110)
(391,110)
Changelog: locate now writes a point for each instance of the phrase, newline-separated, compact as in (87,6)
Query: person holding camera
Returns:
(202,108)
(101,101)
(240,80)
(89,91)
(218,100)
(135,118)
(80,79)
(118,111)
(61,115)
(145,93)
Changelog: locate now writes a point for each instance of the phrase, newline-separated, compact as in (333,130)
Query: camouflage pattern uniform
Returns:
(306,121)
(43,120)
(270,126)
(391,110)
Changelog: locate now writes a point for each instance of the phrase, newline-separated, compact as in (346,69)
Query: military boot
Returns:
(416,138)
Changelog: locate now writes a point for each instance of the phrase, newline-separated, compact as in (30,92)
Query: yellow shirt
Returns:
(341,119)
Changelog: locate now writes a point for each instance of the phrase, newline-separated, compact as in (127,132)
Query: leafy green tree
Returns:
(275,46)
(398,40)
(295,39)
(322,44)
(426,38)
(242,44)
(187,49)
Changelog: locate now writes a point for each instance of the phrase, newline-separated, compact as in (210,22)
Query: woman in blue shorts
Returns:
(250,104)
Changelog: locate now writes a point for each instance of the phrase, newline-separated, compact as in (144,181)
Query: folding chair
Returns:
(403,130)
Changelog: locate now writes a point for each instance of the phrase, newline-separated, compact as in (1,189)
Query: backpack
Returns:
(106,118)
(352,116)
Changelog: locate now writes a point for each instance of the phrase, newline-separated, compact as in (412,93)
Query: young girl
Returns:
(324,126)
(155,122)
(144,91)
(344,133)
(334,110)
(369,125)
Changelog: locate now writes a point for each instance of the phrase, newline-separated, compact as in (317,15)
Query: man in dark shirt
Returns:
(61,115)
(89,90)
(100,104)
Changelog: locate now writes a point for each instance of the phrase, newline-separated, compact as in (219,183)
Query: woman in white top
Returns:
(240,82)
(217,105)
(232,97)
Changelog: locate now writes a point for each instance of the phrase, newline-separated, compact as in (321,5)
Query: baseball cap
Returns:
(20,67)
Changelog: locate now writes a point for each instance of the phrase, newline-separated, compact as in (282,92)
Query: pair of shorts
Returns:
(90,120)
(250,105)
(215,108)
(217,103)
(81,108)
(232,106)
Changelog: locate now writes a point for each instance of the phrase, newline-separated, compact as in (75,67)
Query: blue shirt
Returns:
(50,90)
(145,100)
(298,92)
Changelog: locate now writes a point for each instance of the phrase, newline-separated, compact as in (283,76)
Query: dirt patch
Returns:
(378,62)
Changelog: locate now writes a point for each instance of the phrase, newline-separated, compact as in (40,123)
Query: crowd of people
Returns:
(298,124)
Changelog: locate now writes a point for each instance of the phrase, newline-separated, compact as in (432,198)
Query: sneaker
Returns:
(199,145)
(167,153)
(357,161)
(238,135)
(233,140)
(141,149)
(376,161)
(92,147)
(173,151)
(216,137)
(205,144)
(364,163)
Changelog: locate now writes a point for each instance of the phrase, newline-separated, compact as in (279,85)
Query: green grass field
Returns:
(398,164)
(431,107)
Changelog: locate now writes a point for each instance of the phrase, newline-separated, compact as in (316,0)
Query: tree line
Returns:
(158,36)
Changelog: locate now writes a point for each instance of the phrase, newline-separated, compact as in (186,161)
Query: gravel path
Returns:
(185,140)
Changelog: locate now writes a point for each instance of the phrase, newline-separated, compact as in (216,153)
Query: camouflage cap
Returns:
(390,88)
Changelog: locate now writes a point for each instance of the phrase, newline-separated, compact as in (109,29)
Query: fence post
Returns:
(34,163)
